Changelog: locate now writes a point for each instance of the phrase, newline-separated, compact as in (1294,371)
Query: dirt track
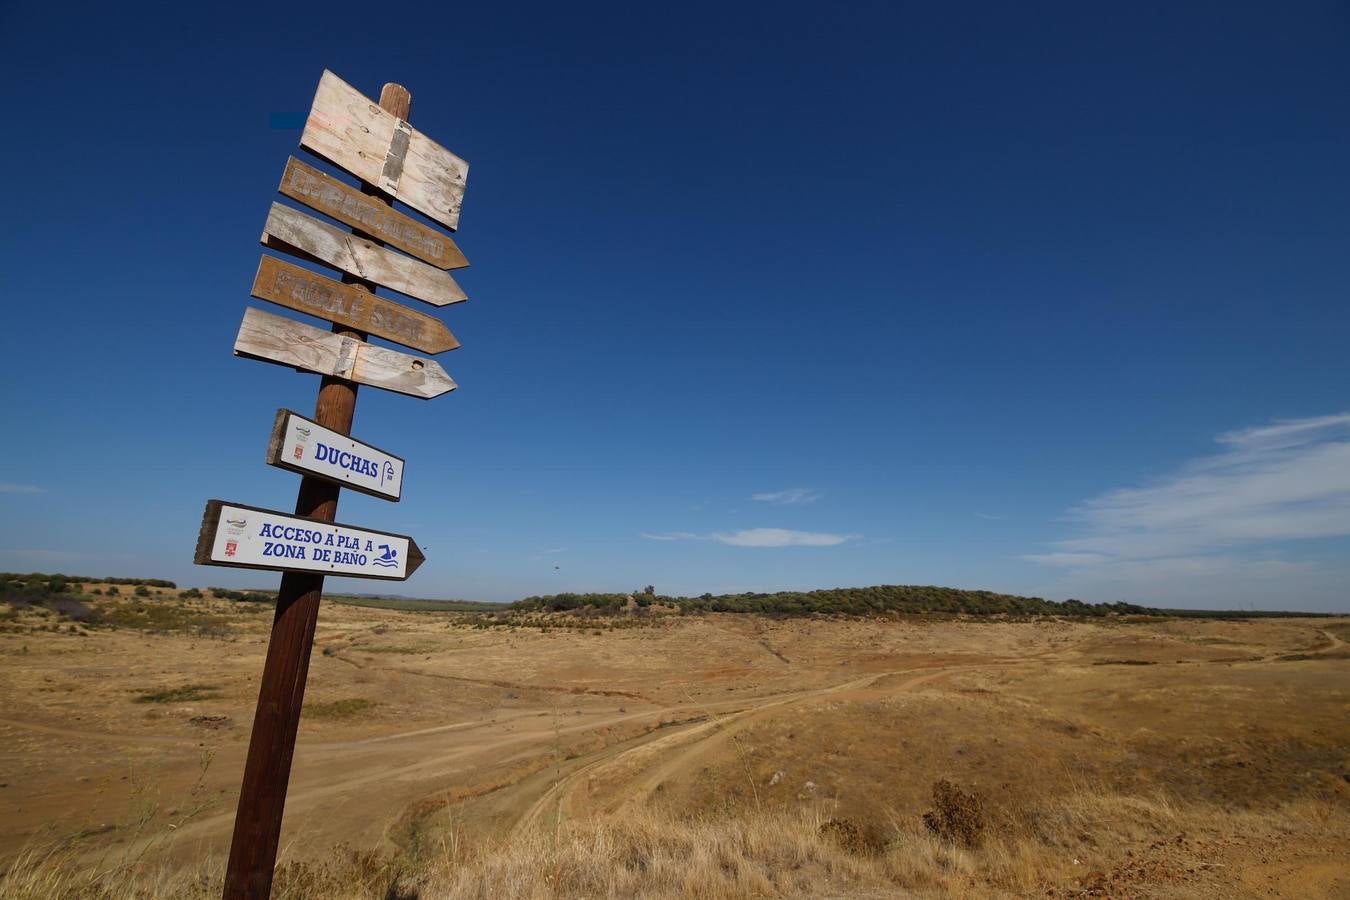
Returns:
(495,733)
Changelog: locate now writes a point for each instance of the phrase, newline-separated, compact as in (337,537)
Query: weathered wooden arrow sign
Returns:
(278,339)
(349,206)
(248,537)
(294,232)
(348,130)
(302,445)
(308,292)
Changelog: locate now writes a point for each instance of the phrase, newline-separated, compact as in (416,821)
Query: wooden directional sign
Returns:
(303,445)
(294,232)
(281,340)
(394,162)
(248,537)
(364,213)
(348,130)
(308,292)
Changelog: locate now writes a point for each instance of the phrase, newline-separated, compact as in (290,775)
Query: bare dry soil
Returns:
(422,728)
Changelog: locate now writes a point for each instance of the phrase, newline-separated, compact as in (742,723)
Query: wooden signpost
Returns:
(384,151)
(277,339)
(308,292)
(394,161)
(305,236)
(369,215)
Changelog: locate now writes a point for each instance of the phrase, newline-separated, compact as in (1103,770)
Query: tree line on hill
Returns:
(32,587)
(58,583)
(862,601)
(36,585)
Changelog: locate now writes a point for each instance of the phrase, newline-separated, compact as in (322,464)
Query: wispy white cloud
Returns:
(1283,431)
(759,537)
(781,537)
(1066,559)
(1285,481)
(674,536)
(1219,518)
(9,487)
(787,497)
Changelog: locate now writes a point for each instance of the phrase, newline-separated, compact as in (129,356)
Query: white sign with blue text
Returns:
(253,538)
(305,446)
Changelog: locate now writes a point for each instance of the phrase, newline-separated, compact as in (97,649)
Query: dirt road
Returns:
(501,733)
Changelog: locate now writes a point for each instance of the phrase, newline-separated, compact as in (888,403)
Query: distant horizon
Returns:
(85,578)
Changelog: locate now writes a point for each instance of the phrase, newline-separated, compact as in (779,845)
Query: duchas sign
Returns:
(252,538)
(304,446)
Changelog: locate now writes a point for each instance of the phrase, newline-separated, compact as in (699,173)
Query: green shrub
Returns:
(866,601)
(185,694)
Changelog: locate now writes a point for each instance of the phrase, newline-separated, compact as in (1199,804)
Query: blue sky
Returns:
(1045,298)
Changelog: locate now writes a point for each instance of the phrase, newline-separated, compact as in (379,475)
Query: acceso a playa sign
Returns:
(252,538)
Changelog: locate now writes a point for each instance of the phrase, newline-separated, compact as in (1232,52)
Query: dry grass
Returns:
(1110,844)
(184,694)
(54,867)
(1087,841)
(712,757)
(346,708)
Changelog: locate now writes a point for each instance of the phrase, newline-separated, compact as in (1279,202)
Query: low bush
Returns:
(187,693)
(957,816)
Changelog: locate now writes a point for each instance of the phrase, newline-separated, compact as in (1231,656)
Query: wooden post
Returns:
(262,798)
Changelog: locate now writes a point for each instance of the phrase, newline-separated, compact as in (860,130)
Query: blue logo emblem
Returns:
(388,559)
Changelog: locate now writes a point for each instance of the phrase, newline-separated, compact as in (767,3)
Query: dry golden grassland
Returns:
(709,756)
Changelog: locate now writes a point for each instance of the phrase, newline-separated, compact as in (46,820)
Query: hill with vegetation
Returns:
(897,599)
(860,601)
(53,590)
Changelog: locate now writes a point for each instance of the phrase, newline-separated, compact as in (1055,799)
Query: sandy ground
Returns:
(490,731)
